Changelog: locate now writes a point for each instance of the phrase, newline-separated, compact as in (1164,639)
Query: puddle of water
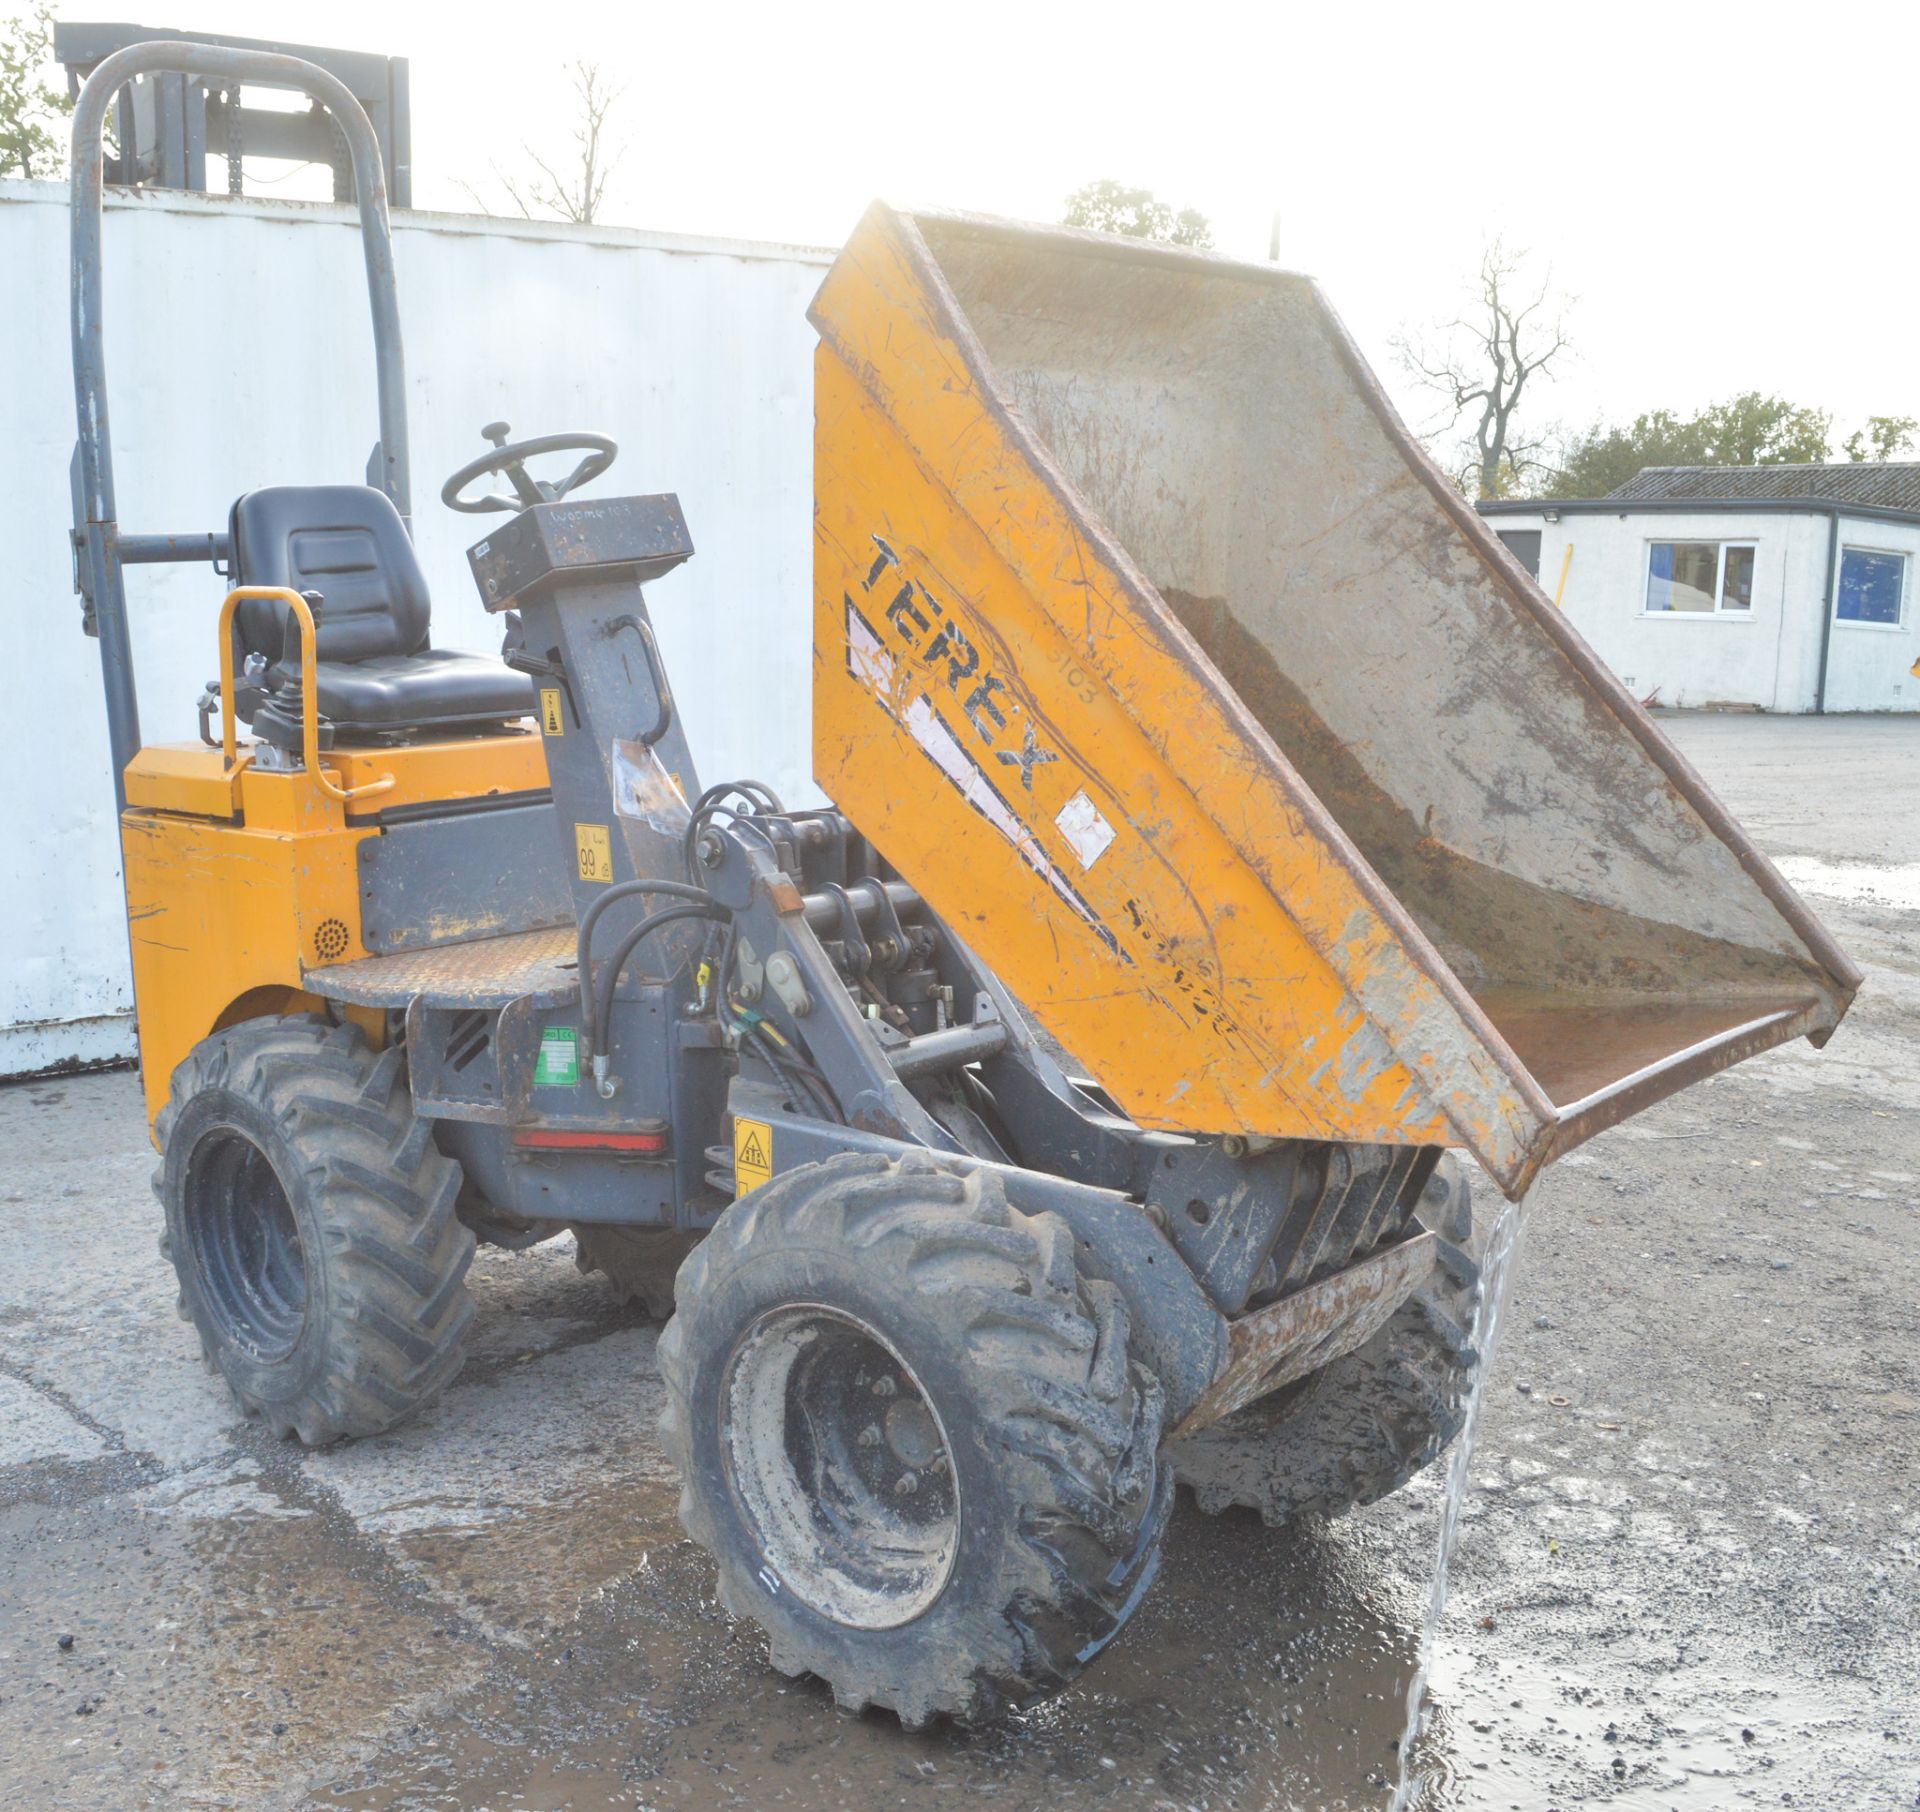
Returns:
(1515,1733)
(1861,883)
(1496,1278)
(1287,1690)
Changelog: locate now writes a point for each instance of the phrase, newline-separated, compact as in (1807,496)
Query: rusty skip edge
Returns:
(1574,648)
(1579,1121)
(1275,1346)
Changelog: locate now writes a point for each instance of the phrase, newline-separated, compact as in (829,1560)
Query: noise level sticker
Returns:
(558,1064)
(551,722)
(752,1154)
(594,848)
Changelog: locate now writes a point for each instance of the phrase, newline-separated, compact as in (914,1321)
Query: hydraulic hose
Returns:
(623,890)
(602,990)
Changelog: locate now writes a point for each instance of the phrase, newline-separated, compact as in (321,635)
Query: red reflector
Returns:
(555,1138)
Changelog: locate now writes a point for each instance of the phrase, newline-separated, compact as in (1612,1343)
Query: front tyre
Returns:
(909,1434)
(310,1218)
(1362,1426)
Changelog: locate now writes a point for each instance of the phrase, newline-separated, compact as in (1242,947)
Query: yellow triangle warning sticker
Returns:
(752,1154)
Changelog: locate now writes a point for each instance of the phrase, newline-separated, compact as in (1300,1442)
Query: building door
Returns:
(1875,638)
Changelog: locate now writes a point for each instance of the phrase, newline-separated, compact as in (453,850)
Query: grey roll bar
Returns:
(101,550)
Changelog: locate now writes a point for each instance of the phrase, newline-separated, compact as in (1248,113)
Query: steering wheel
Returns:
(507,459)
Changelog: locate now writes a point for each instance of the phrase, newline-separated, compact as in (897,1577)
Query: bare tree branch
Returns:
(576,191)
(1485,366)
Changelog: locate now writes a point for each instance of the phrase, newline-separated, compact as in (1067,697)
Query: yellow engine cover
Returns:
(240,881)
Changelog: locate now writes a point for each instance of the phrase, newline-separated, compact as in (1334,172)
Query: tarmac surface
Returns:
(1686,1579)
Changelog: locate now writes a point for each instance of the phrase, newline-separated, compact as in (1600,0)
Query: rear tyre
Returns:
(639,1263)
(310,1218)
(1363,1426)
(909,1434)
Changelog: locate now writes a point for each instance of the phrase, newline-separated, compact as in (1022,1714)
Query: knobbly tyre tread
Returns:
(639,1263)
(1360,1428)
(394,1255)
(1077,1426)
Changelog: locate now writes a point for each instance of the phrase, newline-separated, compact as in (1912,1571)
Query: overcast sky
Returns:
(1723,191)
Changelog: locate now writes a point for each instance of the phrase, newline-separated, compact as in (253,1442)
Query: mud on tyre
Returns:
(310,1218)
(638,1263)
(910,1435)
(1360,1428)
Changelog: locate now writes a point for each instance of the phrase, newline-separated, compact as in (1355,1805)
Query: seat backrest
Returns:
(345,541)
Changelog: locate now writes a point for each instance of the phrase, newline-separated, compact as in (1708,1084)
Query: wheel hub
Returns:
(245,1244)
(839,1459)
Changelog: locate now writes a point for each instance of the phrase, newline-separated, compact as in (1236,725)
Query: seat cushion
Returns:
(345,541)
(413,691)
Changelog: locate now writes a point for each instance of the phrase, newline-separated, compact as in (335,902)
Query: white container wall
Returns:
(238,355)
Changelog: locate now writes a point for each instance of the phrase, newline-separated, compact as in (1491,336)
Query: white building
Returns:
(1787,588)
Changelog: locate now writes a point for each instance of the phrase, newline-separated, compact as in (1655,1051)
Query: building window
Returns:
(1700,578)
(1524,545)
(1873,587)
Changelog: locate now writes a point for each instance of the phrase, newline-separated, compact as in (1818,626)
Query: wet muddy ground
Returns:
(1687,1575)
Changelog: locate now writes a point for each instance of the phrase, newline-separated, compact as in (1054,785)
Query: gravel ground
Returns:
(1686,1576)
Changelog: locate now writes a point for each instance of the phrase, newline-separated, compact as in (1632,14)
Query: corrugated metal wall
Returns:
(239,354)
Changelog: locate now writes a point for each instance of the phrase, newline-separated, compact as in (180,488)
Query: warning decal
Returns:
(551,722)
(752,1154)
(594,847)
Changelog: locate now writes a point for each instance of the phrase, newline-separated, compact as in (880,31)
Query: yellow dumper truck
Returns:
(1168,700)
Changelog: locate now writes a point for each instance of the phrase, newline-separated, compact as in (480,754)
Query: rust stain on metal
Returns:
(1274,1346)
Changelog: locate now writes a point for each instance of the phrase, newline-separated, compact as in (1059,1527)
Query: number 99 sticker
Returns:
(593,846)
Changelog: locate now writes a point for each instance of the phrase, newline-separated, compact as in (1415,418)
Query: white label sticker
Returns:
(1085,830)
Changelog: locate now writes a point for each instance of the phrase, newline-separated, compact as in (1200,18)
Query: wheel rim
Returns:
(246,1244)
(841,1464)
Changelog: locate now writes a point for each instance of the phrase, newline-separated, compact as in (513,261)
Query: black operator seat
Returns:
(375,676)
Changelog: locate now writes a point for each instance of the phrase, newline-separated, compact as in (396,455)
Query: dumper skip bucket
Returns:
(1159,658)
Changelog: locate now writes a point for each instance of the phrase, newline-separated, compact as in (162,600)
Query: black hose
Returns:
(795,1069)
(755,792)
(602,990)
(766,792)
(768,796)
(622,890)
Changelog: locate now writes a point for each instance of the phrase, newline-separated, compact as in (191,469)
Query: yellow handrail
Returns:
(309,705)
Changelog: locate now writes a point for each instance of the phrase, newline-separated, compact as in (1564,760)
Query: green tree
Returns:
(1883,437)
(1755,430)
(1750,429)
(1109,207)
(31,141)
